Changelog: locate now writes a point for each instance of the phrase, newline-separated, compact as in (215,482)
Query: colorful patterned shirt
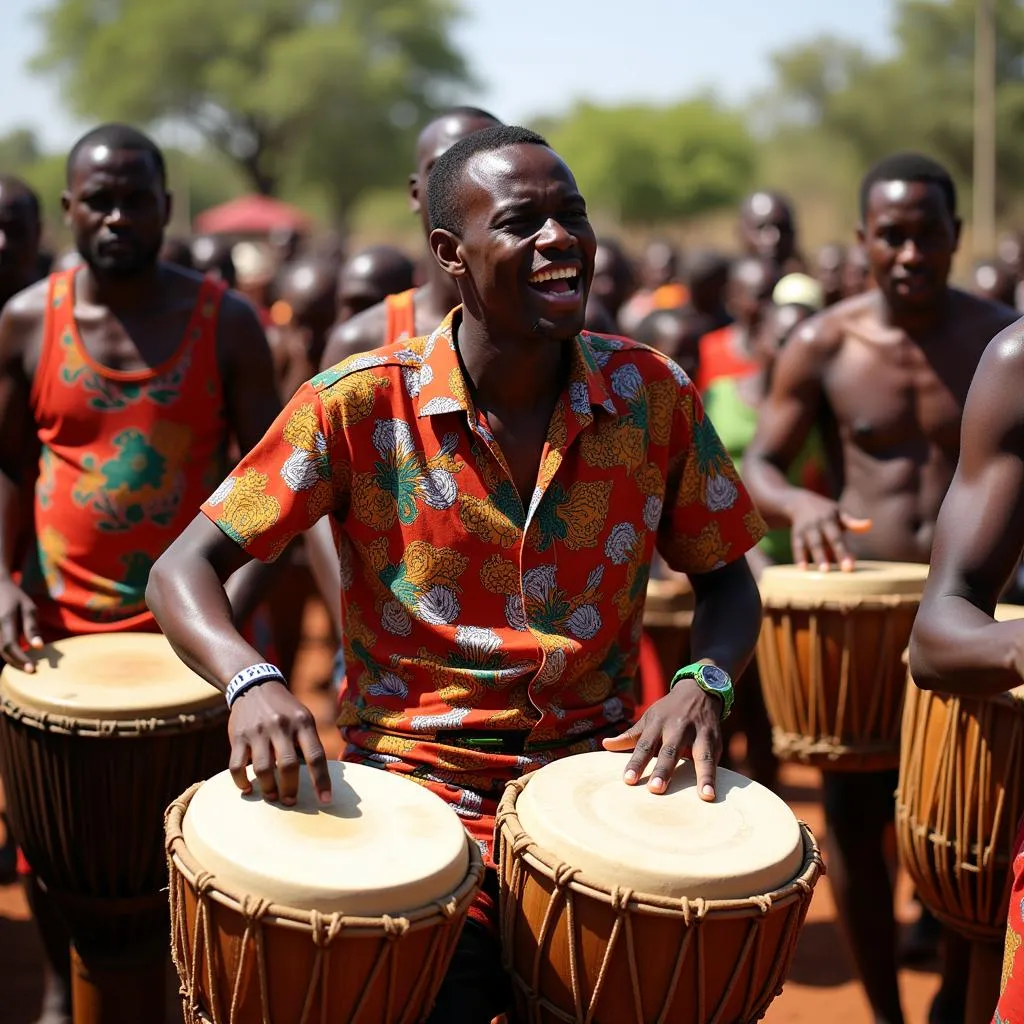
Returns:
(483,638)
(1010,1009)
(125,459)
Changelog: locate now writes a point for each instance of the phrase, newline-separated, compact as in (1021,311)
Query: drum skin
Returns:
(831,666)
(579,950)
(241,958)
(87,797)
(959,801)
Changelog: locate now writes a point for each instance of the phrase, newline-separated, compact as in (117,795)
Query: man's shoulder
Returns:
(28,305)
(382,362)
(987,317)
(611,352)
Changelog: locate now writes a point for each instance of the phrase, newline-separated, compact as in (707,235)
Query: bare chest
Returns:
(136,342)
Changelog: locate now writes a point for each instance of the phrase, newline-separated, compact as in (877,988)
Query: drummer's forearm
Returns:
(10,523)
(772,492)
(726,618)
(955,647)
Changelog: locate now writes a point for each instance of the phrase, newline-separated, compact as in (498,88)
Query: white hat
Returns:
(252,262)
(799,290)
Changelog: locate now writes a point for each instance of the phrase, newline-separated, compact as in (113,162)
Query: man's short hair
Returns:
(118,136)
(446,176)
(908,166)
(22,190)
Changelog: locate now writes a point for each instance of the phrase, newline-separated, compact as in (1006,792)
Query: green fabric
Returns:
(736,422)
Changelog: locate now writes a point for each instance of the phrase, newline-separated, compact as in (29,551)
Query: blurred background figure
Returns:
(369,276)
(178,251)
(660,286)
(767,230)
(829,264)
(614,278)
(20,233)
(856,272)
(993,280)
(212,255)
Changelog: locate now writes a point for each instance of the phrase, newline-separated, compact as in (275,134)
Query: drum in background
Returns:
(619,906)
(830,660)
(345,912)
(668,617)
(93,747)
(959,801)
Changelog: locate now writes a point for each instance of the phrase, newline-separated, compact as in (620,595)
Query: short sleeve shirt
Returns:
(485,635)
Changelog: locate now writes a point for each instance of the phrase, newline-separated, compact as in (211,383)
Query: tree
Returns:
(316,91)
(921,97)
(646,164)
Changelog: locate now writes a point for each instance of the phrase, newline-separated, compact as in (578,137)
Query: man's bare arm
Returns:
(956,645)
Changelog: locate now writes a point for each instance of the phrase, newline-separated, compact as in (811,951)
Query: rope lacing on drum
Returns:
(325,927)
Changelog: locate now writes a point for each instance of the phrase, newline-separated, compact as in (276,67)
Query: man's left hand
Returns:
(687,722)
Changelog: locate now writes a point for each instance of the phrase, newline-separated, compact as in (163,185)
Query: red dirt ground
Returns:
(821,986)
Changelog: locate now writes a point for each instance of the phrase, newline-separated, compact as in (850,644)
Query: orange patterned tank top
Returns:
(401,316)
(127,457)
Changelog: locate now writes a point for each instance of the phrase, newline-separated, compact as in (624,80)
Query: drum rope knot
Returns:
(325,927)
(621,898)
(205,881)
(254,908)
(693,910)
(394,927)
(564,874)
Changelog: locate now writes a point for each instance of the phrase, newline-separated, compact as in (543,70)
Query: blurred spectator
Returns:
(177,251)
(856,272)
(254,272)
(767,230)
(369,276)
(20,231)
(993,280)
(660,287)
(212,255)
(676,333)
(614,279)
(828,269)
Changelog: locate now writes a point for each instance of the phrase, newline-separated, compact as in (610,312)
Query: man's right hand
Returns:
(817,532)
(18,620)
(266,726)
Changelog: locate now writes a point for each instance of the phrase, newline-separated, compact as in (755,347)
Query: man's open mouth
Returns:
(556,281)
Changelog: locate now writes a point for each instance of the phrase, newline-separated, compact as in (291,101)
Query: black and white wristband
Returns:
(250,677)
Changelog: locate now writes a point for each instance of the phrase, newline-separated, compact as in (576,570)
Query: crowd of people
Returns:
(466,453)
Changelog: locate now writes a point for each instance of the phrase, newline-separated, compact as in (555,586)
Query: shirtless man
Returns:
(135,452)
(437,296)
(885,376)
(20,231)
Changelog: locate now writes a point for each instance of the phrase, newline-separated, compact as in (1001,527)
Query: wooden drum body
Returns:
(830,661)
(93,746)
(344,913)
(622,907)
(959,800)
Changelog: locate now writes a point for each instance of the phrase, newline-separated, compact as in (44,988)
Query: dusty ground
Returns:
(820,987)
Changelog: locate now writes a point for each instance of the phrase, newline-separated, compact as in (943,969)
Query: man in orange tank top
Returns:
(374,275)
(416,314)
(121,382)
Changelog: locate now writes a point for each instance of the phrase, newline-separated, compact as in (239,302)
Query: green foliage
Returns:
(647,164)
(320,92)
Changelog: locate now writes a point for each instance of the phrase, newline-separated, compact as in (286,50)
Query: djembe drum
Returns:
(830,661)
(619,906)
(348,912)
(959,800)
(93,746)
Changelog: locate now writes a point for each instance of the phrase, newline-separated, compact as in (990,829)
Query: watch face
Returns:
(715,677)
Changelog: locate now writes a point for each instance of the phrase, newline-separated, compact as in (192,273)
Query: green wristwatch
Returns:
(711,679)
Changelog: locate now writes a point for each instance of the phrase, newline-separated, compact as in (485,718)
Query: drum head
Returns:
(867,579)
(384,845)
(674,844)
(114,676)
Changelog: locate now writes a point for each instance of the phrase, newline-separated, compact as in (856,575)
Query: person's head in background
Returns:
(751,280)
(20,234)
(614,277)
(254,272)
(794,298)
(707,275)
(369,276)
(211,255)
(659,265)
(829,262)
(177,251)
(767,228)
(1010,252)
(993,280)
(856,272)
(676,333)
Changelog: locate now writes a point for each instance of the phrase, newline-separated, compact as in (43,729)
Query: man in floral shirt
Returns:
(497,491)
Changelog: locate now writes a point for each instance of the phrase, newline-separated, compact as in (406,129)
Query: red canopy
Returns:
(252,214)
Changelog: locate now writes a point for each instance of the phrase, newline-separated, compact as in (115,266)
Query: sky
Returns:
(536,57)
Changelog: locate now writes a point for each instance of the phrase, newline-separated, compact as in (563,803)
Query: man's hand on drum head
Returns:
(268,727)
(17,620)
(685,723)
(817,532)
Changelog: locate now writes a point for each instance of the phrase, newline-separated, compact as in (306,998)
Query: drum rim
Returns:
(210,885)
(70,725)
(782,602)
(689,909)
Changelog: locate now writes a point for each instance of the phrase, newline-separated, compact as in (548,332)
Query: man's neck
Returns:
(510,375)
(118,292)
(917,322)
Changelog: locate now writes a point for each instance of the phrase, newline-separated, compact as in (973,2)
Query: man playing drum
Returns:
(885,376)
(956,645)
(497,490)
(121,383)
